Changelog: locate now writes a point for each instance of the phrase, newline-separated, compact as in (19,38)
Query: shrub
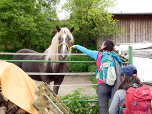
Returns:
(77,107)
(92,68)
(6,57)
(79,67)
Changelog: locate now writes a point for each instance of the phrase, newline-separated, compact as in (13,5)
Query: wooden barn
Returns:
(138,28)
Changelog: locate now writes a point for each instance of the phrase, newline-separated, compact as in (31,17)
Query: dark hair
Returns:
(109,46)
(125,84)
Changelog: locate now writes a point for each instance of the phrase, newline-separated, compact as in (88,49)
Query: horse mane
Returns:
(53,48)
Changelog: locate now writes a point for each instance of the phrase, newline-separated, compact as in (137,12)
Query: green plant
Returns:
(79,67)
(77,107)
(92,68)
(6,57)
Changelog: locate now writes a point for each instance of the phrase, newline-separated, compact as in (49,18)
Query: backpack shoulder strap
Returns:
(98,60)
(129,94)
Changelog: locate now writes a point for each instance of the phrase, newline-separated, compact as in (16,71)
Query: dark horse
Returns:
(58,50)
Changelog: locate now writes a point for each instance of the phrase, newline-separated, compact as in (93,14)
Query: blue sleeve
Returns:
(118,60)
(91,53)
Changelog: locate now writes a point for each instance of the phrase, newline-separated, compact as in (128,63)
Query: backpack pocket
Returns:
(106,64)
(111,76)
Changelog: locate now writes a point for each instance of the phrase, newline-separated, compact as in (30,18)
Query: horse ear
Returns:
(54,32)
(58,29)
(72,29)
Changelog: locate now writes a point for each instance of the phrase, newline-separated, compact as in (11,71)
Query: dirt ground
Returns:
(74,81)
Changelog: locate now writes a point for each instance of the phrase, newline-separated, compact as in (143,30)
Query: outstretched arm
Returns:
(91,53)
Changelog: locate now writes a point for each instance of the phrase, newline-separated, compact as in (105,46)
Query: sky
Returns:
(133,6)
(124,6)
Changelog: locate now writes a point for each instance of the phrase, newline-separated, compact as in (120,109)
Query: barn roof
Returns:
(140,13)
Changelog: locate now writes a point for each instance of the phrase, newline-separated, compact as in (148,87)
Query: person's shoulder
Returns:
(121,91)
(121,94)
(113,53)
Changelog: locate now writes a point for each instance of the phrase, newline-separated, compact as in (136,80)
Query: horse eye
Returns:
(69,38)
(59,38)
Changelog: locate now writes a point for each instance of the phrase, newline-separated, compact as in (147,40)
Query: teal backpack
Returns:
(106,67)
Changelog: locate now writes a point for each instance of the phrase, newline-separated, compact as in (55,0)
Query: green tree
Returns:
(26,22)
(91,19)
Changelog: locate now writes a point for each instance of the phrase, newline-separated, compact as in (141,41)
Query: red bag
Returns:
(138,100)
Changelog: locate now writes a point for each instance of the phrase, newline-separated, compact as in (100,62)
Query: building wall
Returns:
(138,28)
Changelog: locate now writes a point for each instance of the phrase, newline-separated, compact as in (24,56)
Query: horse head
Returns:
(65,39)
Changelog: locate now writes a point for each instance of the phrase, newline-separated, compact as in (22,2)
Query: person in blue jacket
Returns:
(104,90)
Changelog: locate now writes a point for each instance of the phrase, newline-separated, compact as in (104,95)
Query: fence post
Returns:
(131,55)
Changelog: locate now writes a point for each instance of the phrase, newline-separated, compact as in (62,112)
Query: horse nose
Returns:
(63,55)
(63,52)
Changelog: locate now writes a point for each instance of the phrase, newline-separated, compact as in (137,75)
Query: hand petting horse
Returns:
(58,50)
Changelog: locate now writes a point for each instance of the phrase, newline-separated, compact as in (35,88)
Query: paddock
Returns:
(77,80)
(72,81)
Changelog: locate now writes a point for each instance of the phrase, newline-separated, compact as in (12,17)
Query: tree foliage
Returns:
(26,22)
(91,19)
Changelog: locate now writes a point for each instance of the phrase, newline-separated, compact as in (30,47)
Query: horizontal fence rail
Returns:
(74,85)
(55,61)
(75,73)
(41,53)
(50,61)
(66,101)
(3,53)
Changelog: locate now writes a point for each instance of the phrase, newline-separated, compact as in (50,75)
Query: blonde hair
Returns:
(53,48)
